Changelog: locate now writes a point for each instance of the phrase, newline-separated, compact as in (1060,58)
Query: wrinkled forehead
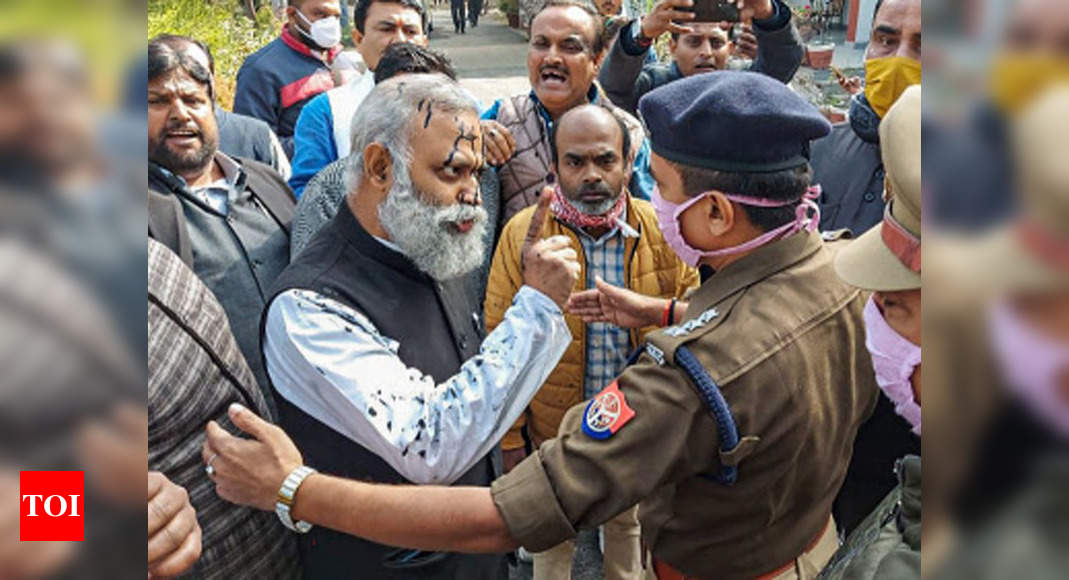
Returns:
(438,130)
(560,22)
(589,130)
(903,15)
(176,81)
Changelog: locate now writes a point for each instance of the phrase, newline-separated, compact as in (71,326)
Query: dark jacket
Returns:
(968,170)
(626,77)
(887,545)
(239,255)
(848,167)
(437,332)
(276,81)
(244,136)
(881,441)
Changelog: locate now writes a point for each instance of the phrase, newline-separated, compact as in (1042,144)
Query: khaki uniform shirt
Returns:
(783,337)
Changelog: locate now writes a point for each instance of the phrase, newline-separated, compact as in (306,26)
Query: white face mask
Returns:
(325,32)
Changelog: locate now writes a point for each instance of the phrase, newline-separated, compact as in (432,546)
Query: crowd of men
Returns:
(699,330)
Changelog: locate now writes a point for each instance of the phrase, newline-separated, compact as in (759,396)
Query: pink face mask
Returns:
(807,218)
(894,359)
(1031,364)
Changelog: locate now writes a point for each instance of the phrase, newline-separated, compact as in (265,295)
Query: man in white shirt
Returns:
(374,345)
(321,134)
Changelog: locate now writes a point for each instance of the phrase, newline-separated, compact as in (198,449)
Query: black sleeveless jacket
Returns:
(438,329)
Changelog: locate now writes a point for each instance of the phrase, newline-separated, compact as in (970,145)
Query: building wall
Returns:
(864,21)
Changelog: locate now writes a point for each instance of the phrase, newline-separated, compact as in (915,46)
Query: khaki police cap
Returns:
(888,256)
(1032,253)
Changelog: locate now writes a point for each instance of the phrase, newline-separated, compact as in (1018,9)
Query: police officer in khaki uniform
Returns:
(732,430)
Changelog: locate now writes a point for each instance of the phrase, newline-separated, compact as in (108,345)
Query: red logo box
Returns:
(51,506)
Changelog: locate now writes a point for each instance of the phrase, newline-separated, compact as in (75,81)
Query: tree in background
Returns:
(233,29)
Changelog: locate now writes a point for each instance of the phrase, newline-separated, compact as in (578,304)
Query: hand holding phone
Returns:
(733,10)
(716,11)
(666,17)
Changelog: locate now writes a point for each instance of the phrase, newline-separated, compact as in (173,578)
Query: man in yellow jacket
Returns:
(618,241)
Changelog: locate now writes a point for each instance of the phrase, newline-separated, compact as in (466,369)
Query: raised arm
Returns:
(572,482)
(779,46)
(250,472)
(332,362)
(621,73)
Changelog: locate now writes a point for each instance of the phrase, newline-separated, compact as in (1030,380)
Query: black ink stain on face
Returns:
(464,134)
(427,119)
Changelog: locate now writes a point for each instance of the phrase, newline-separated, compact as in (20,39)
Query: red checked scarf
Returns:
(566,212)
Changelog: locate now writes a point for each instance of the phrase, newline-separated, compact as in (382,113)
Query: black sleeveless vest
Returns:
(438,329)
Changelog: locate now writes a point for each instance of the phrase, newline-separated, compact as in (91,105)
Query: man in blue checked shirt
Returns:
(619,243)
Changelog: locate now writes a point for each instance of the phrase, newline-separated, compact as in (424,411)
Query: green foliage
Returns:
(223,26)
(509,6)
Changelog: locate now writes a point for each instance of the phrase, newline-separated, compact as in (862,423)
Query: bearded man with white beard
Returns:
(374,348)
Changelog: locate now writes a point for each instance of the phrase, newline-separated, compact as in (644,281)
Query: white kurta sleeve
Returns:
(331,362)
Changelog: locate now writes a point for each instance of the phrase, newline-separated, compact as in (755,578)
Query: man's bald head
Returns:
(586,118)
(896,30)
(591,152)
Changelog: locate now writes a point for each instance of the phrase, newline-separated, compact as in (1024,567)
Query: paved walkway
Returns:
(491,59)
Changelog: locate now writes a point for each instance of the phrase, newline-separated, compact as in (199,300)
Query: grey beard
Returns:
(425,236)
(600,208)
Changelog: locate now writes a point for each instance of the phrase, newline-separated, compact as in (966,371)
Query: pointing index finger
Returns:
(538,220)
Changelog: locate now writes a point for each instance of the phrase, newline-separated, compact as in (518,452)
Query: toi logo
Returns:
(50,506)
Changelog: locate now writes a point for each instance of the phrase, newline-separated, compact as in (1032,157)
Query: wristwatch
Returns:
(285,498)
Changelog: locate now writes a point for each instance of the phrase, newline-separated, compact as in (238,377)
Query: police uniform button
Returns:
(870,197)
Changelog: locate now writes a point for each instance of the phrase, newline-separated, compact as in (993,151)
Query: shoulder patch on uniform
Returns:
(655,353)
(836,235)
(606,413)
(692,324)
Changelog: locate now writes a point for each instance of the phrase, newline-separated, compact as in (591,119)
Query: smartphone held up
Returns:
(716,11)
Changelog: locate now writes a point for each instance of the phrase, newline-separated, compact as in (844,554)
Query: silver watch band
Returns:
(285,498)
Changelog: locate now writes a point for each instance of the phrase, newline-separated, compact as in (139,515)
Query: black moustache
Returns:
(193,130)
(602,189)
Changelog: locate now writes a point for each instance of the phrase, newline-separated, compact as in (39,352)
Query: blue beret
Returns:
(733,121)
